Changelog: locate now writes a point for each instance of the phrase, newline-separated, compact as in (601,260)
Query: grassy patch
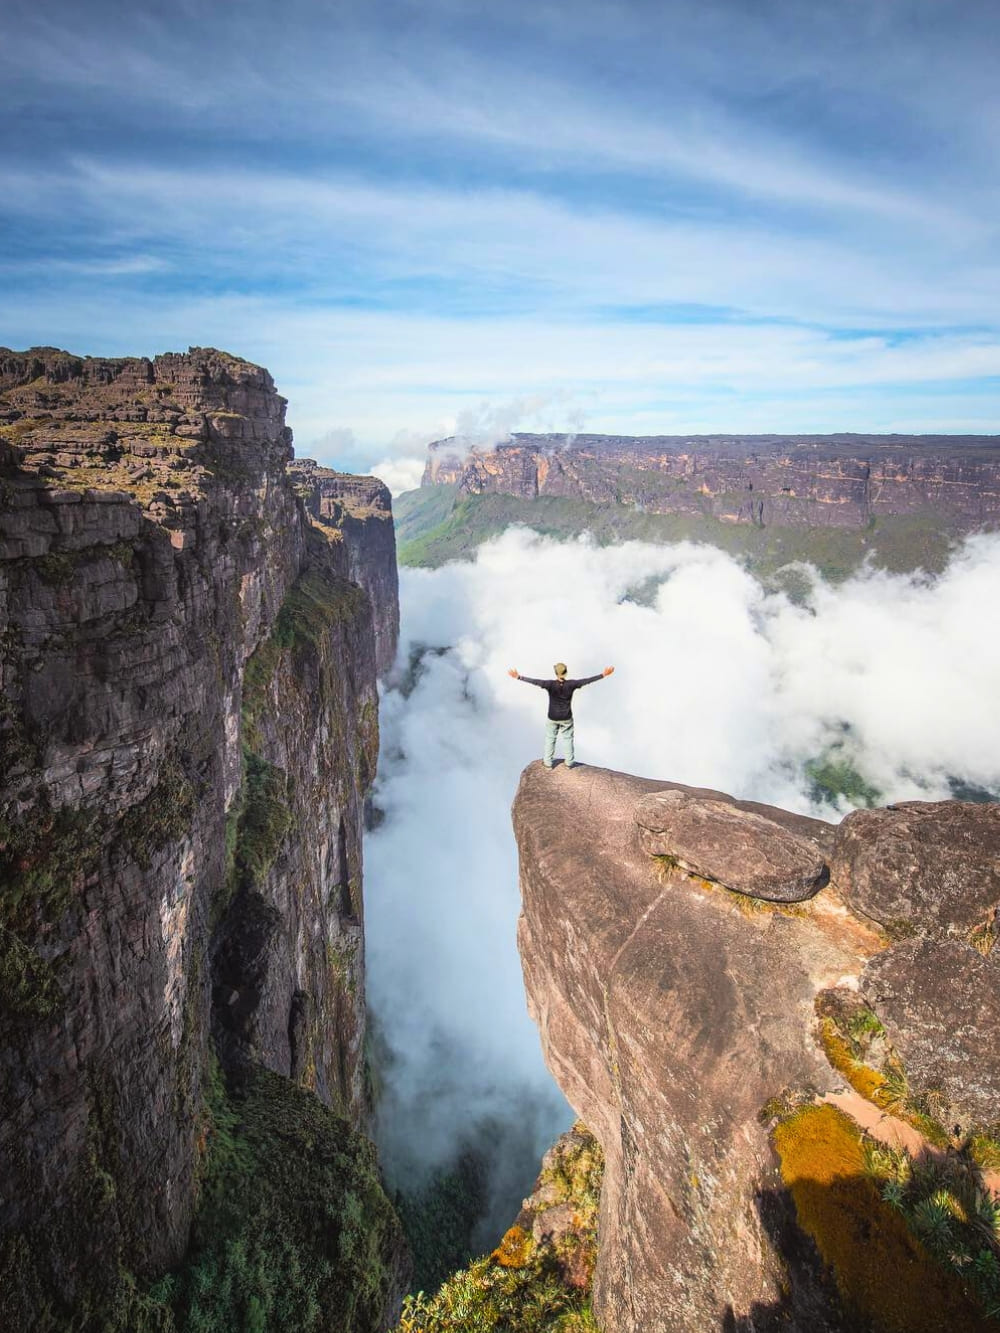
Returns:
(946,1205)
(870,1083)
(745,903)
(491,1295)
(984,937)
(163,817)
(44,854)
(316,603)
(56,568)
(265,819)
(418,512)
(28,984)
(856,1045)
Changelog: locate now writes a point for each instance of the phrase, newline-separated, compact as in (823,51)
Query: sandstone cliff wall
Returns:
(745,1035)
(188,728)
(826,481)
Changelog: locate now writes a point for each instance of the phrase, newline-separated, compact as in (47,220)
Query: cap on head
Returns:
(560,669)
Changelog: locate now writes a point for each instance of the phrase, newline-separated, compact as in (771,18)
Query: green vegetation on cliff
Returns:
(440,1217)
(435,525)
(293,1229)
(538,1279)
(833,776)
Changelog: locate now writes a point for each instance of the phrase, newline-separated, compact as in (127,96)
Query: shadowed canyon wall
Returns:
(192,626)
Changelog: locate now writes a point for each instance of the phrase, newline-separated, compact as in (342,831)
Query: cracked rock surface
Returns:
(675,1013)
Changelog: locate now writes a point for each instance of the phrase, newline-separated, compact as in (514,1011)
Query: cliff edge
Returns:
(780,1033)
(188,729)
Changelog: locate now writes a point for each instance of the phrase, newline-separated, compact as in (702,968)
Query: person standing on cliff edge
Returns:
(560,722)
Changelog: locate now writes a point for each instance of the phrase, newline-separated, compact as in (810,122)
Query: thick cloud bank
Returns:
(720,682)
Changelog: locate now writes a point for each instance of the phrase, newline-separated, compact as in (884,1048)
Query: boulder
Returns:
(940,1003)
(743,851)
(921,867)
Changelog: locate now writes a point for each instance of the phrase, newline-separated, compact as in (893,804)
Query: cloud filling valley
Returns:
(720,681)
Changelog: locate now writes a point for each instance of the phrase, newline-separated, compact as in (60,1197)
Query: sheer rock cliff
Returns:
(739,1030)
(840,481)
(190,632)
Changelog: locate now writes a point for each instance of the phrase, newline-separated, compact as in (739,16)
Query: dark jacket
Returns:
(561,694)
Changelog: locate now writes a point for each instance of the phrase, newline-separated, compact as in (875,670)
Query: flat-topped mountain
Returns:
(795,480)
(833,500)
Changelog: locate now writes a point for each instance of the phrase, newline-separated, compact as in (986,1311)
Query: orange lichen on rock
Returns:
(868,1082)
(885,1276)
(515,1248)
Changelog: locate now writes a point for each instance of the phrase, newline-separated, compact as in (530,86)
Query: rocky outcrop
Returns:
(940,1004)
(188,728)
(696,1031)
(840,481)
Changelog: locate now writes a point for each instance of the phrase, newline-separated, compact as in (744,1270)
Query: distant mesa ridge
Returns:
(840,480)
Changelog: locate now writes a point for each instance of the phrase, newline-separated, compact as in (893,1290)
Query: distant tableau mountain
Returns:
(831,499)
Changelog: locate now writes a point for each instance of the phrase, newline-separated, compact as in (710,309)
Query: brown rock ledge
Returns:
(672,1017)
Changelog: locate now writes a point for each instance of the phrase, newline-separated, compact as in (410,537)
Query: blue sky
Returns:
(637,217)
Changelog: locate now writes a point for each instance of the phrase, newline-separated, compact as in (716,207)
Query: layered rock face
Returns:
(361,509)
(188,728)
(782,481)
(716,1007)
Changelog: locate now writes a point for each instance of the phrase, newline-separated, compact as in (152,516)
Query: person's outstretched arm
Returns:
(589,680)
(528,680)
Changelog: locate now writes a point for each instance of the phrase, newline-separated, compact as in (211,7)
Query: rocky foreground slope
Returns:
(190,630)
(783,1035)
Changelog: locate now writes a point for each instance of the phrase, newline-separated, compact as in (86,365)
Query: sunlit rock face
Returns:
(188,728)
(841,481)
(696,1029)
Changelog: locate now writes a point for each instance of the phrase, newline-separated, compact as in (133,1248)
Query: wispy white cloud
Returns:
(370,370)
(403,208)
(515,246)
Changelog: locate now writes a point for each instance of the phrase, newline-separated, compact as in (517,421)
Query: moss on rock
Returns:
(265,821)
(293,1228)
(316,603)
(889,1280)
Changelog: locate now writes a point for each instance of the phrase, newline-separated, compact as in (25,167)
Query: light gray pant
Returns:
(553,730)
